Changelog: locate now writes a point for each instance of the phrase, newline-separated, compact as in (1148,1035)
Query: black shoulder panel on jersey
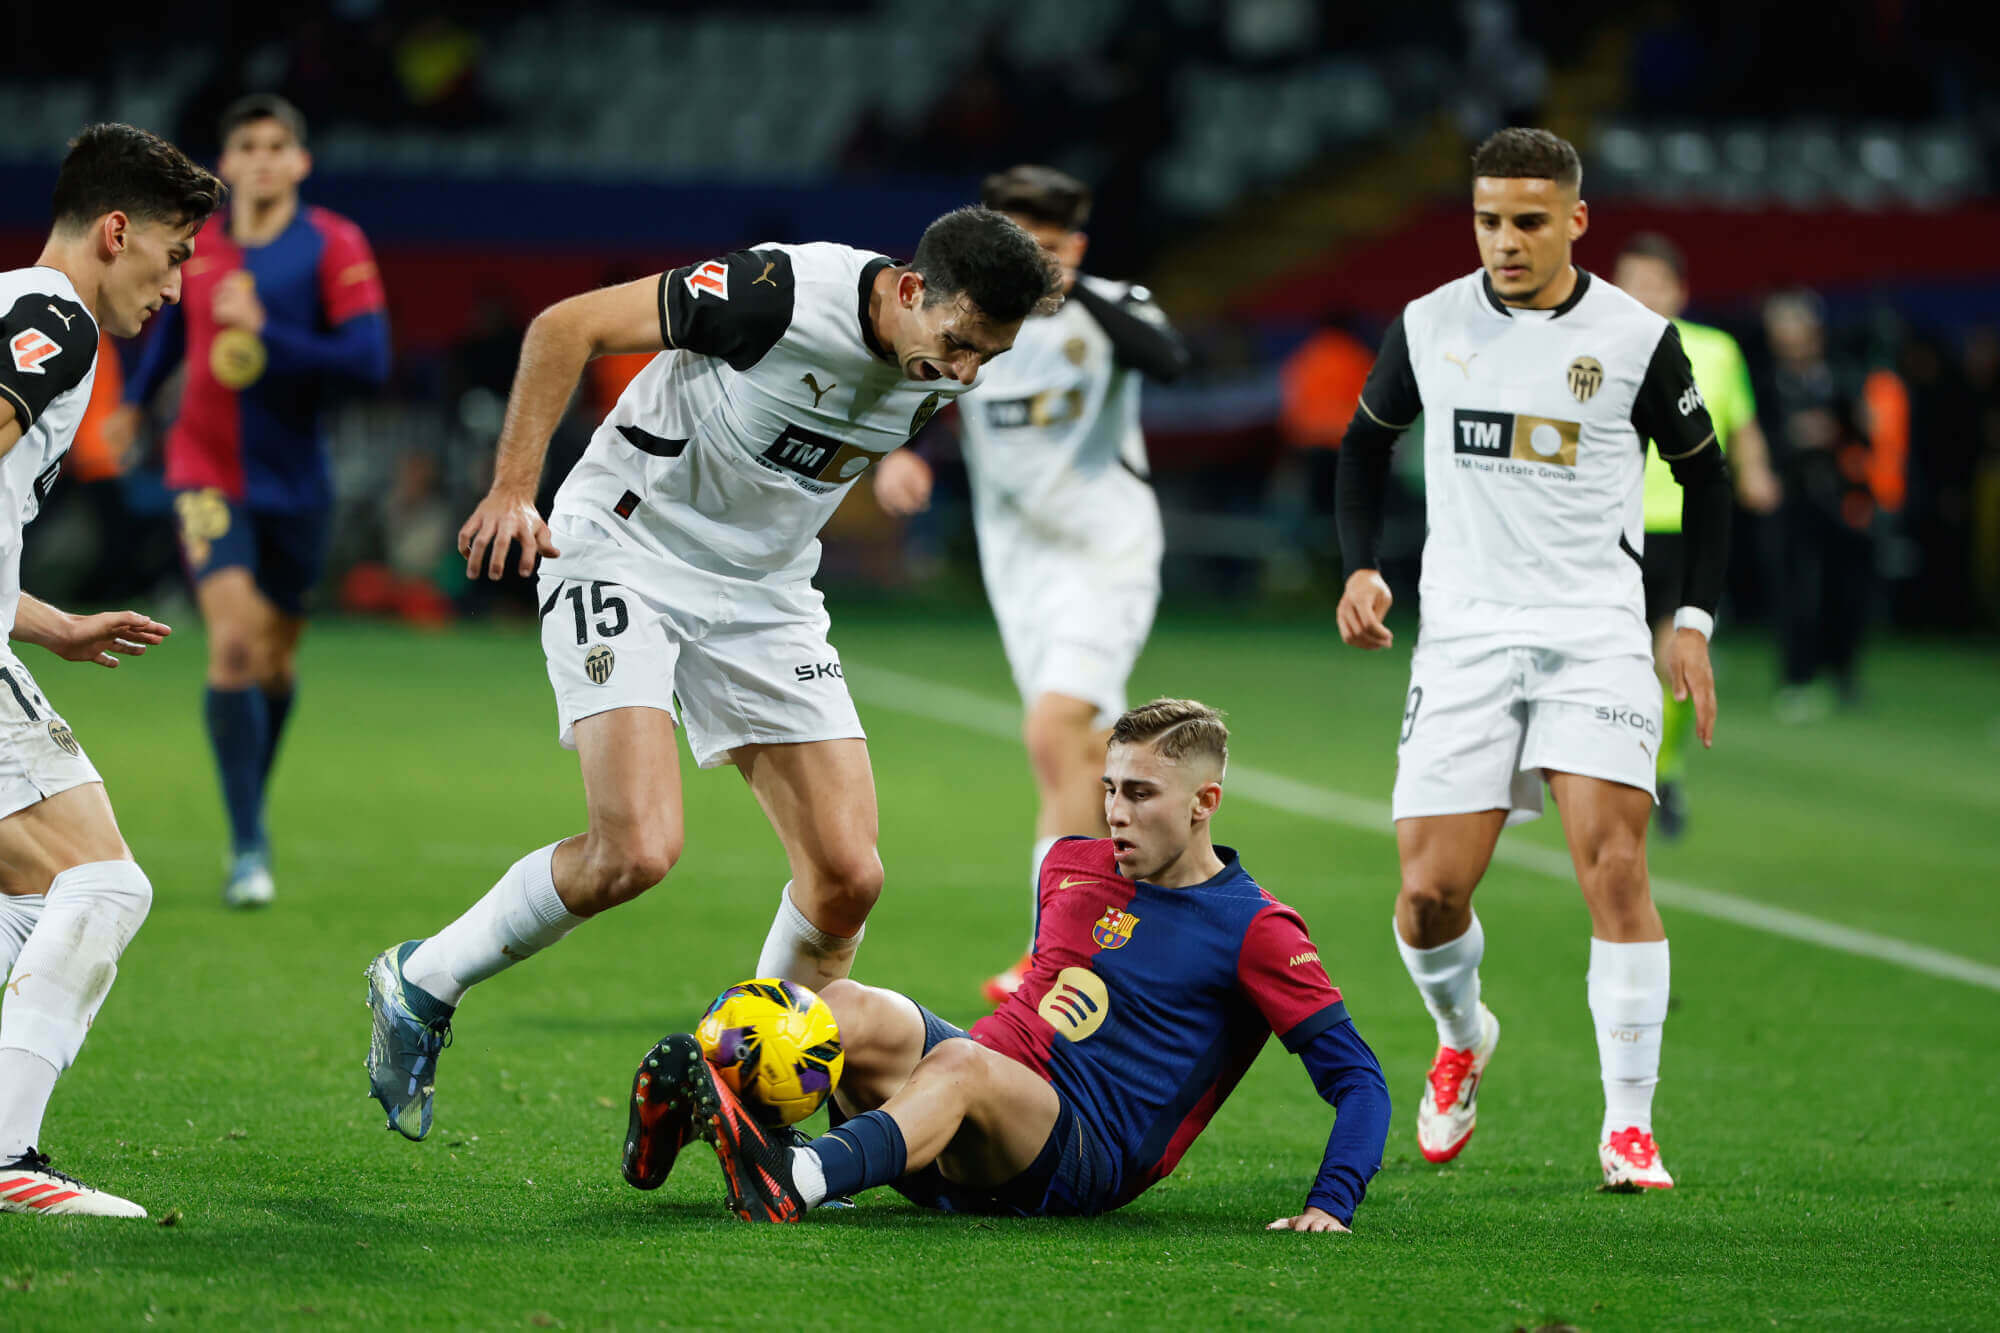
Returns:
(1668,409)
(1390,398)
(1140,335)
(735,307)
(48,343)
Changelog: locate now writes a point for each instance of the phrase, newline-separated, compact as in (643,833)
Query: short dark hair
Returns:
(985,256)
(1652,245)
(262,106)
(1517,151)
(1041,193)
(121,168)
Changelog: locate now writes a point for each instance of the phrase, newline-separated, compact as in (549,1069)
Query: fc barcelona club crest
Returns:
(597,664)
(925,411)
(1113,928)
(1586,376)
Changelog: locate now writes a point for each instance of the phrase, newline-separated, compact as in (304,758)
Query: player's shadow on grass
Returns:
(898,1218)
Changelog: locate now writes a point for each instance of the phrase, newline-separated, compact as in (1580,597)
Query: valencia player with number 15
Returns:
(676,583)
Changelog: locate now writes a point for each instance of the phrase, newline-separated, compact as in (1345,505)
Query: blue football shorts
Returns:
(285,552)
(1073,1176)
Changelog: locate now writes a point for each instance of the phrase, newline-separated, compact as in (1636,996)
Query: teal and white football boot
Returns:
(411,1027)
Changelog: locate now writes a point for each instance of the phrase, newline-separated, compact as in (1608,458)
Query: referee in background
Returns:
(1652,269)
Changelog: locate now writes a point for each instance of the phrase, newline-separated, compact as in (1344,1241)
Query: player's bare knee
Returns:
(1431,903)
(619,870)
(866,1018)
(845,890)
(848,999)
(957,1061)
(232,657)
(1614,867)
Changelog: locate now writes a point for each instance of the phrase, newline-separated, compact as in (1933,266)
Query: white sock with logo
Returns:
(1628,1006)
(1042,846)
(518,918)
(797,950)
(1448,979)
(58,982)
(18,915)
(26,1079)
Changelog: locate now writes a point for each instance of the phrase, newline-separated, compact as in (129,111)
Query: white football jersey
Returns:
(48,363)
(1535,430)
(732,448)
(1054,425)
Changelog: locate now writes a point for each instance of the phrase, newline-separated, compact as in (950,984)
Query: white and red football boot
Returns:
(1631,1162)
(28,1184)
(1450,1110)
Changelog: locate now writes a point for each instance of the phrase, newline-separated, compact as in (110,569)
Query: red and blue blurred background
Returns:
(1284,173)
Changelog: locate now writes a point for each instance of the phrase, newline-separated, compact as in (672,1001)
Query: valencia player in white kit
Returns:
(1539,387)
(676,582)
(1069,530)
(127,207)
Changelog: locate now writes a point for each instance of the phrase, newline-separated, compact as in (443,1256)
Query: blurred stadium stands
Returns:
(1278,169)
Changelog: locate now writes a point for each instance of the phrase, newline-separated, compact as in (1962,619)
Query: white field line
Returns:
(882,687)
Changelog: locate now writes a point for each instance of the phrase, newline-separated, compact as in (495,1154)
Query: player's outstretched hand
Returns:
(500,521)
(1692,675)
(1363,603)
(903,484)
(1312,1219)
(97,638)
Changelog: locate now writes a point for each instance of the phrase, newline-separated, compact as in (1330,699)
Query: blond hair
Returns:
(1177,728)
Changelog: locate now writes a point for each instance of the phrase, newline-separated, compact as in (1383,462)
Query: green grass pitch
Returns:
(1830,1117)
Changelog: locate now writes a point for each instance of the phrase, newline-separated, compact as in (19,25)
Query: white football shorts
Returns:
(1073,619)
(735,661)
(1481,725)
(38,755)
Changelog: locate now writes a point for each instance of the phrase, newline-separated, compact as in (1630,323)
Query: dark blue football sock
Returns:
(277,707)
(865,1152)
(239,729)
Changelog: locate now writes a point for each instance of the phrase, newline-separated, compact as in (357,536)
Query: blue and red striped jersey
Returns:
(1144,1006)
(256,431)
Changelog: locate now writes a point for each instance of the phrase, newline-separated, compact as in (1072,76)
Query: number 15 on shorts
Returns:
(607,613)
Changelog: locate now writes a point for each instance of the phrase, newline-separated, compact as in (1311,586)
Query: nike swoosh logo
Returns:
(1071,881)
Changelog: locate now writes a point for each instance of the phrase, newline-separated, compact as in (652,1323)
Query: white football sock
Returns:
(18,915)
(26,1081)
(808,1175)
(797,950)
(1042,846)
(58,983)
(519,917)
(1448,979)
(1628,1006)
